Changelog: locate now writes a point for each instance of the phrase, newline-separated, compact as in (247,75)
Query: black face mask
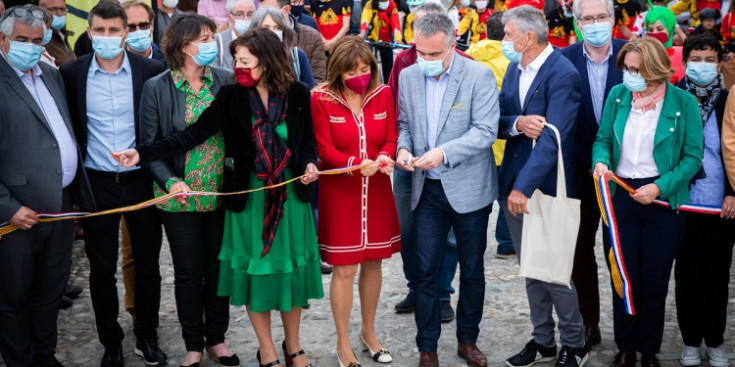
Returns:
(297,10)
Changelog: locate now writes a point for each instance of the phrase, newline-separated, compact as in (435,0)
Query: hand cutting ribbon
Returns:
(6,228)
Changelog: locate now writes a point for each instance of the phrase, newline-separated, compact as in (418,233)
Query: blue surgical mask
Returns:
(634,83)
(242,26)
(107,47)
(279,34)
(701,73)
(139,40)
(207,53)
(465,3)
(171,4)
(597,34)
(431,68)
(47,36)
(59,22)
(383,5)
(23,55)
(509,50)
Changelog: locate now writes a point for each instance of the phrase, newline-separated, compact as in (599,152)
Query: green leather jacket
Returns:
(678,141)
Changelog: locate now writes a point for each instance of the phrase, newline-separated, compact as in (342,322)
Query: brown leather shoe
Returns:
(592,335)
(428,359)
(471,355)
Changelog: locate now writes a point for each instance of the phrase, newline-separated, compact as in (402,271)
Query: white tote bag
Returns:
(550,231)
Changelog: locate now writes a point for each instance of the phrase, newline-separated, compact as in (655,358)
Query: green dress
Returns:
(290,274)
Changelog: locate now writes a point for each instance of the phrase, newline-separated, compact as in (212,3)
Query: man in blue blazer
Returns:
(540,86)
(595,60)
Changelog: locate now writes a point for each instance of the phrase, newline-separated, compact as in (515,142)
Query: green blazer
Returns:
(678,141)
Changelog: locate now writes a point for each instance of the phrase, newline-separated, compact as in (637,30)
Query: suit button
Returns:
(58,171)
(54,146)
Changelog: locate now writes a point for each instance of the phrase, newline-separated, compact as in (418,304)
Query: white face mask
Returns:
(383,5)
(481,4)
(170,3)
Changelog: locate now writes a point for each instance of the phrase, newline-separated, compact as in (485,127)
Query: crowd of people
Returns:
(248,95)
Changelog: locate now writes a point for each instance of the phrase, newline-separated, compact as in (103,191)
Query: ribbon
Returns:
(6,227)
(618,273)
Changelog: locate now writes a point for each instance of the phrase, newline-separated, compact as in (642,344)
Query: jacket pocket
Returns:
(15,180)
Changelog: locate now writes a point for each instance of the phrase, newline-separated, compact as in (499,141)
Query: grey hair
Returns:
(8,21)
(608,3)
(528,19)
(231,4)
(431,24)
(288,34)
(430,8)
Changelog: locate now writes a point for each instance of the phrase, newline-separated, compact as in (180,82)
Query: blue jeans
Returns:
(434,217)
(402,194)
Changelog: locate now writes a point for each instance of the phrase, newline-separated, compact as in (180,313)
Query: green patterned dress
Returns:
(290,274)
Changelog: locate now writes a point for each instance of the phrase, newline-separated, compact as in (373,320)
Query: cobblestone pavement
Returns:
(505,326)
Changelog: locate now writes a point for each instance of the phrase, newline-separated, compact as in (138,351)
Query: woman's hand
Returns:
(180,186)
(646,193)
(728,208)
(600,169)
(385,164)
(368,167)
(127,158)
(311,174)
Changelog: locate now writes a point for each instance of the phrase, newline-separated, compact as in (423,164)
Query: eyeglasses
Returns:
(57,10)
(142,26)
(599,19)
(23,11)
(241,15)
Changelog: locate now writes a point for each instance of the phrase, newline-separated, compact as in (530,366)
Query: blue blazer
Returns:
(587,125)
(554,93)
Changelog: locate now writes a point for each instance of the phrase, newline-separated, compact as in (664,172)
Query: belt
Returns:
(117,177)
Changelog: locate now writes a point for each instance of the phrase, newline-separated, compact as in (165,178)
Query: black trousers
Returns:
(102,247)
(386,61)
(34,270)
(584,273)
(196,239)
(650,237)
(702,276)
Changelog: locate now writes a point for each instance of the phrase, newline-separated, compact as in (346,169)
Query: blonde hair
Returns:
(655,64)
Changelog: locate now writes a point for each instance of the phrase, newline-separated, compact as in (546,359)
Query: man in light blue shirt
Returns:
(104,91)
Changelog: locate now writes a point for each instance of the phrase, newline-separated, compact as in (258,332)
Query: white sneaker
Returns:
(717,357)
(690,356)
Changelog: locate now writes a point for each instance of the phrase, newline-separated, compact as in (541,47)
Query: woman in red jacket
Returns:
(355,124)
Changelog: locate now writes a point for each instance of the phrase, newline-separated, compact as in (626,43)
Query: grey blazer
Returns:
(162,109)
(224,58)
(468,126)
(30,162)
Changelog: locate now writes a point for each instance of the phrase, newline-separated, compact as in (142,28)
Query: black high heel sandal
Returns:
(289,357)
(271,364)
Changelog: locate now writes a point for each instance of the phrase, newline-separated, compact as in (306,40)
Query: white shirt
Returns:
(636,154)
(528,74)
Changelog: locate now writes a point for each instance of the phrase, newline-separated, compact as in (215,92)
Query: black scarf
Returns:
(271,159)
(708,94)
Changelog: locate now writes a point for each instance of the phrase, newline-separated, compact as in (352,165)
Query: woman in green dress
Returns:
(270,256)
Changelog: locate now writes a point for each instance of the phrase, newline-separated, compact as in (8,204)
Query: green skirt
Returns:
(289,275)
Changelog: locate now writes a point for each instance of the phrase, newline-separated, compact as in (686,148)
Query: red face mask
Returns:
(358,84)
(660,36)
(245,78)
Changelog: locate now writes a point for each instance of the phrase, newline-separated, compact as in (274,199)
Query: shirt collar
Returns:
(36,69)
(609,52)
(540,59)
(95,67)
(181,84)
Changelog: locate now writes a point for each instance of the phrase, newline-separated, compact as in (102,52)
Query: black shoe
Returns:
(446,310)
(571,357)
(649,361)
(592,336)
(624,359)
(113,357)
(66,302)
(147,348)
(408,304)
(72,291)
(531,354)
(55,363)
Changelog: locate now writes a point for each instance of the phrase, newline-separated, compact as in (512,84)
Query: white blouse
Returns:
(636,153)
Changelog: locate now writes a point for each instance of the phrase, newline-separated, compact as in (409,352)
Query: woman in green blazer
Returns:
(651,136)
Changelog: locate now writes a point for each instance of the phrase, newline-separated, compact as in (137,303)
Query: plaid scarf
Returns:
(708,94)
(271,159)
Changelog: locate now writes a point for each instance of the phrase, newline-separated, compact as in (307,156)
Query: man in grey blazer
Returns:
(39,173)
(448,120)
